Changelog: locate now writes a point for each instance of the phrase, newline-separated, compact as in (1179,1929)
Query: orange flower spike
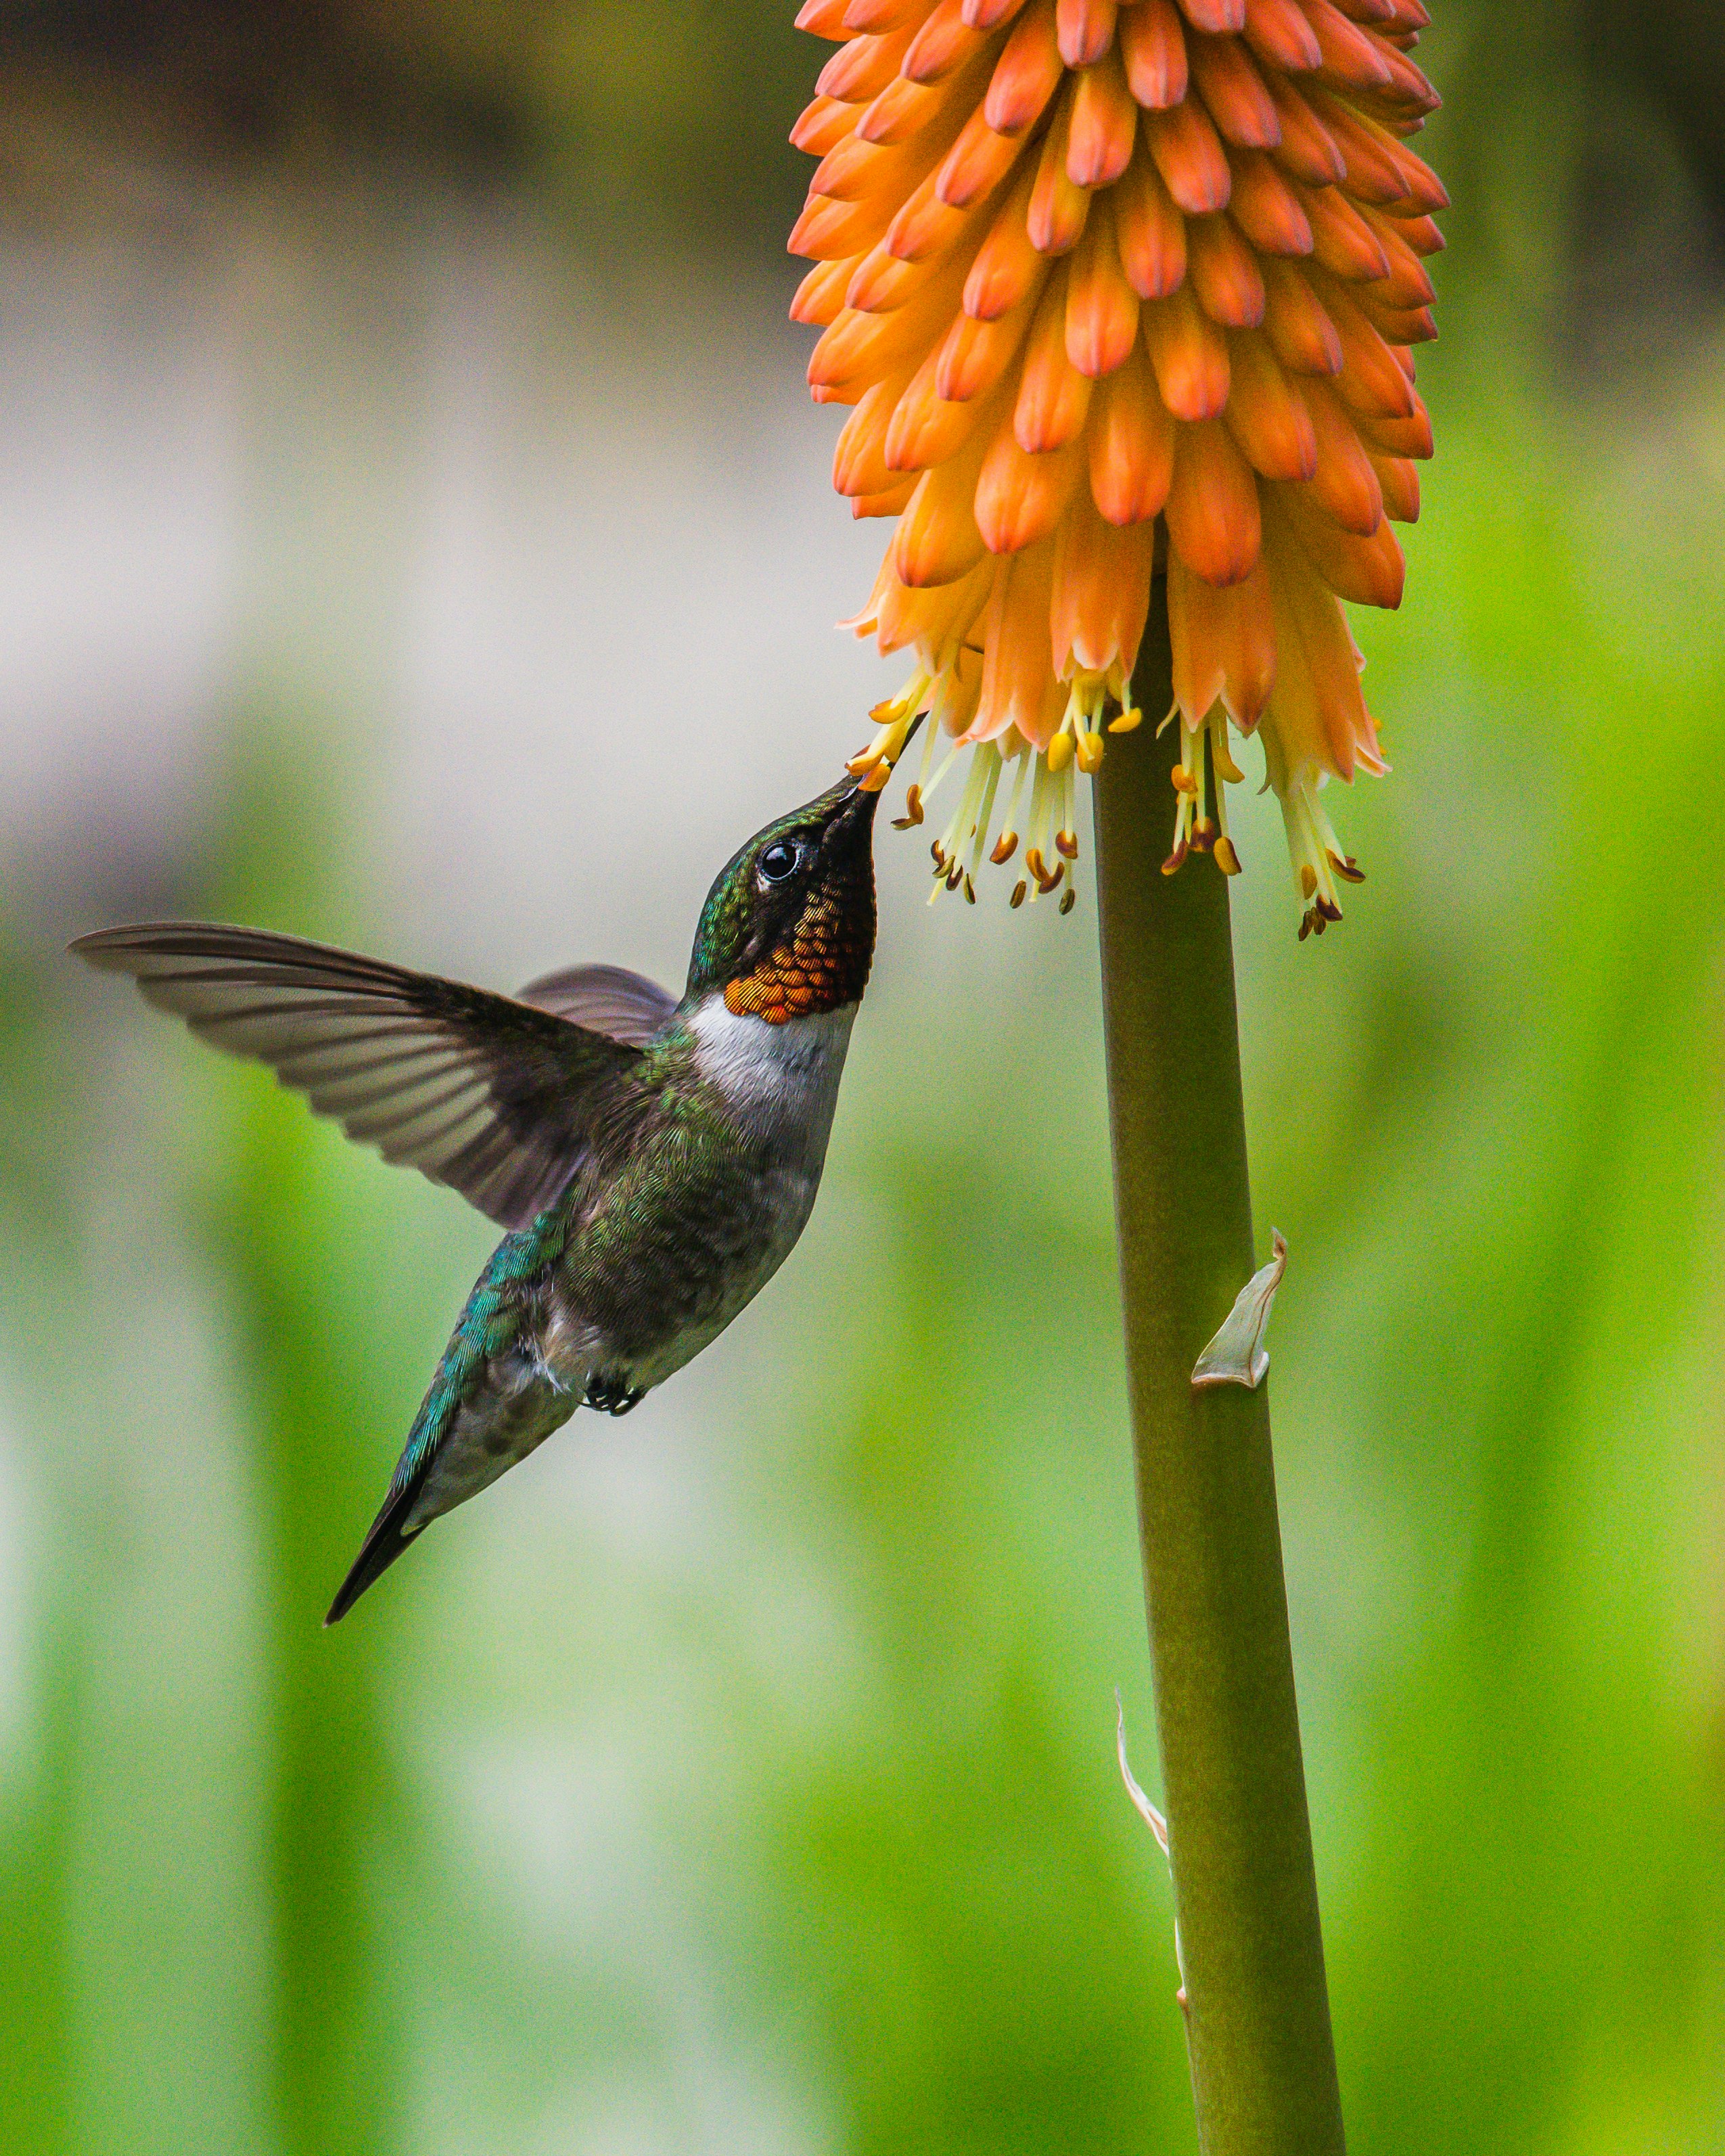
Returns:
(1027,73)
(1234,92)
(1149,230)
(1105,126)
(1131,437)
(1111,282)
(1086,29)
(1189,354)
(1188,156)
(1152,46)
(1212,511)
(1101,323)
(1224,273)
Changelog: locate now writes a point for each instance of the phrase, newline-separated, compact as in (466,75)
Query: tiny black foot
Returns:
(612,1393)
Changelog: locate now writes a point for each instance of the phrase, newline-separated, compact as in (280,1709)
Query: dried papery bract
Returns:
(1112,288)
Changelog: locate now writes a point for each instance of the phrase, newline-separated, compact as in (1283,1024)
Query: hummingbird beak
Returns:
(871,781)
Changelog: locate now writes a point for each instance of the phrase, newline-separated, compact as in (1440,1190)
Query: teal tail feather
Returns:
(489,1324)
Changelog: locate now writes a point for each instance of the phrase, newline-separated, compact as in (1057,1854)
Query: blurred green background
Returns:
(413,533)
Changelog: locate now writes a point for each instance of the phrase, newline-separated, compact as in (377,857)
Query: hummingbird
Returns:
(652,1160)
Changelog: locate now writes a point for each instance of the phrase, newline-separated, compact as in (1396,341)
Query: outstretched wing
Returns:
(492,1096)
(609,999)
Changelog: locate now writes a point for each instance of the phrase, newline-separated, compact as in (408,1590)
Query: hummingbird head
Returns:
(788,926)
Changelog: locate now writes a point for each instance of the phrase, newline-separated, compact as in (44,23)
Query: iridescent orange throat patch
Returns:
(825,966)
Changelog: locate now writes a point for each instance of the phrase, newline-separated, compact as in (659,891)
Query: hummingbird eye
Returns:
(778,861)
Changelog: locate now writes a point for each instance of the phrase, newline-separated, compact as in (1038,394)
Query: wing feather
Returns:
(493,1096)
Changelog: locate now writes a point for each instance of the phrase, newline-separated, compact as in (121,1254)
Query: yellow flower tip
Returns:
(1226,768)
(1227,860)
(1089,751)
(1183,781)
(1034,862)
(1345,866)
(1171,865)
(1060,751)
(1066,845)
(1005,846)
(1069,901)
(1017,894)
(1308,880)
(913,810)
(1126,722)
(875,781)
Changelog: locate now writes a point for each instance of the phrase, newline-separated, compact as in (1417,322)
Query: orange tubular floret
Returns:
(1344,484)
(1266,414)
(1188,155)
(1020,497)
(1102,307)
(1150,230)
(1132,445)
(1027,73)
(1232,91)
(1087,30)
(1105,126)
(1216,16)
(1153,47)
(1281,37)
(1224,273)
(1224,643)
(1189,354)
(1212,510)
(1101,590)
(1053,396)
(1058,208)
